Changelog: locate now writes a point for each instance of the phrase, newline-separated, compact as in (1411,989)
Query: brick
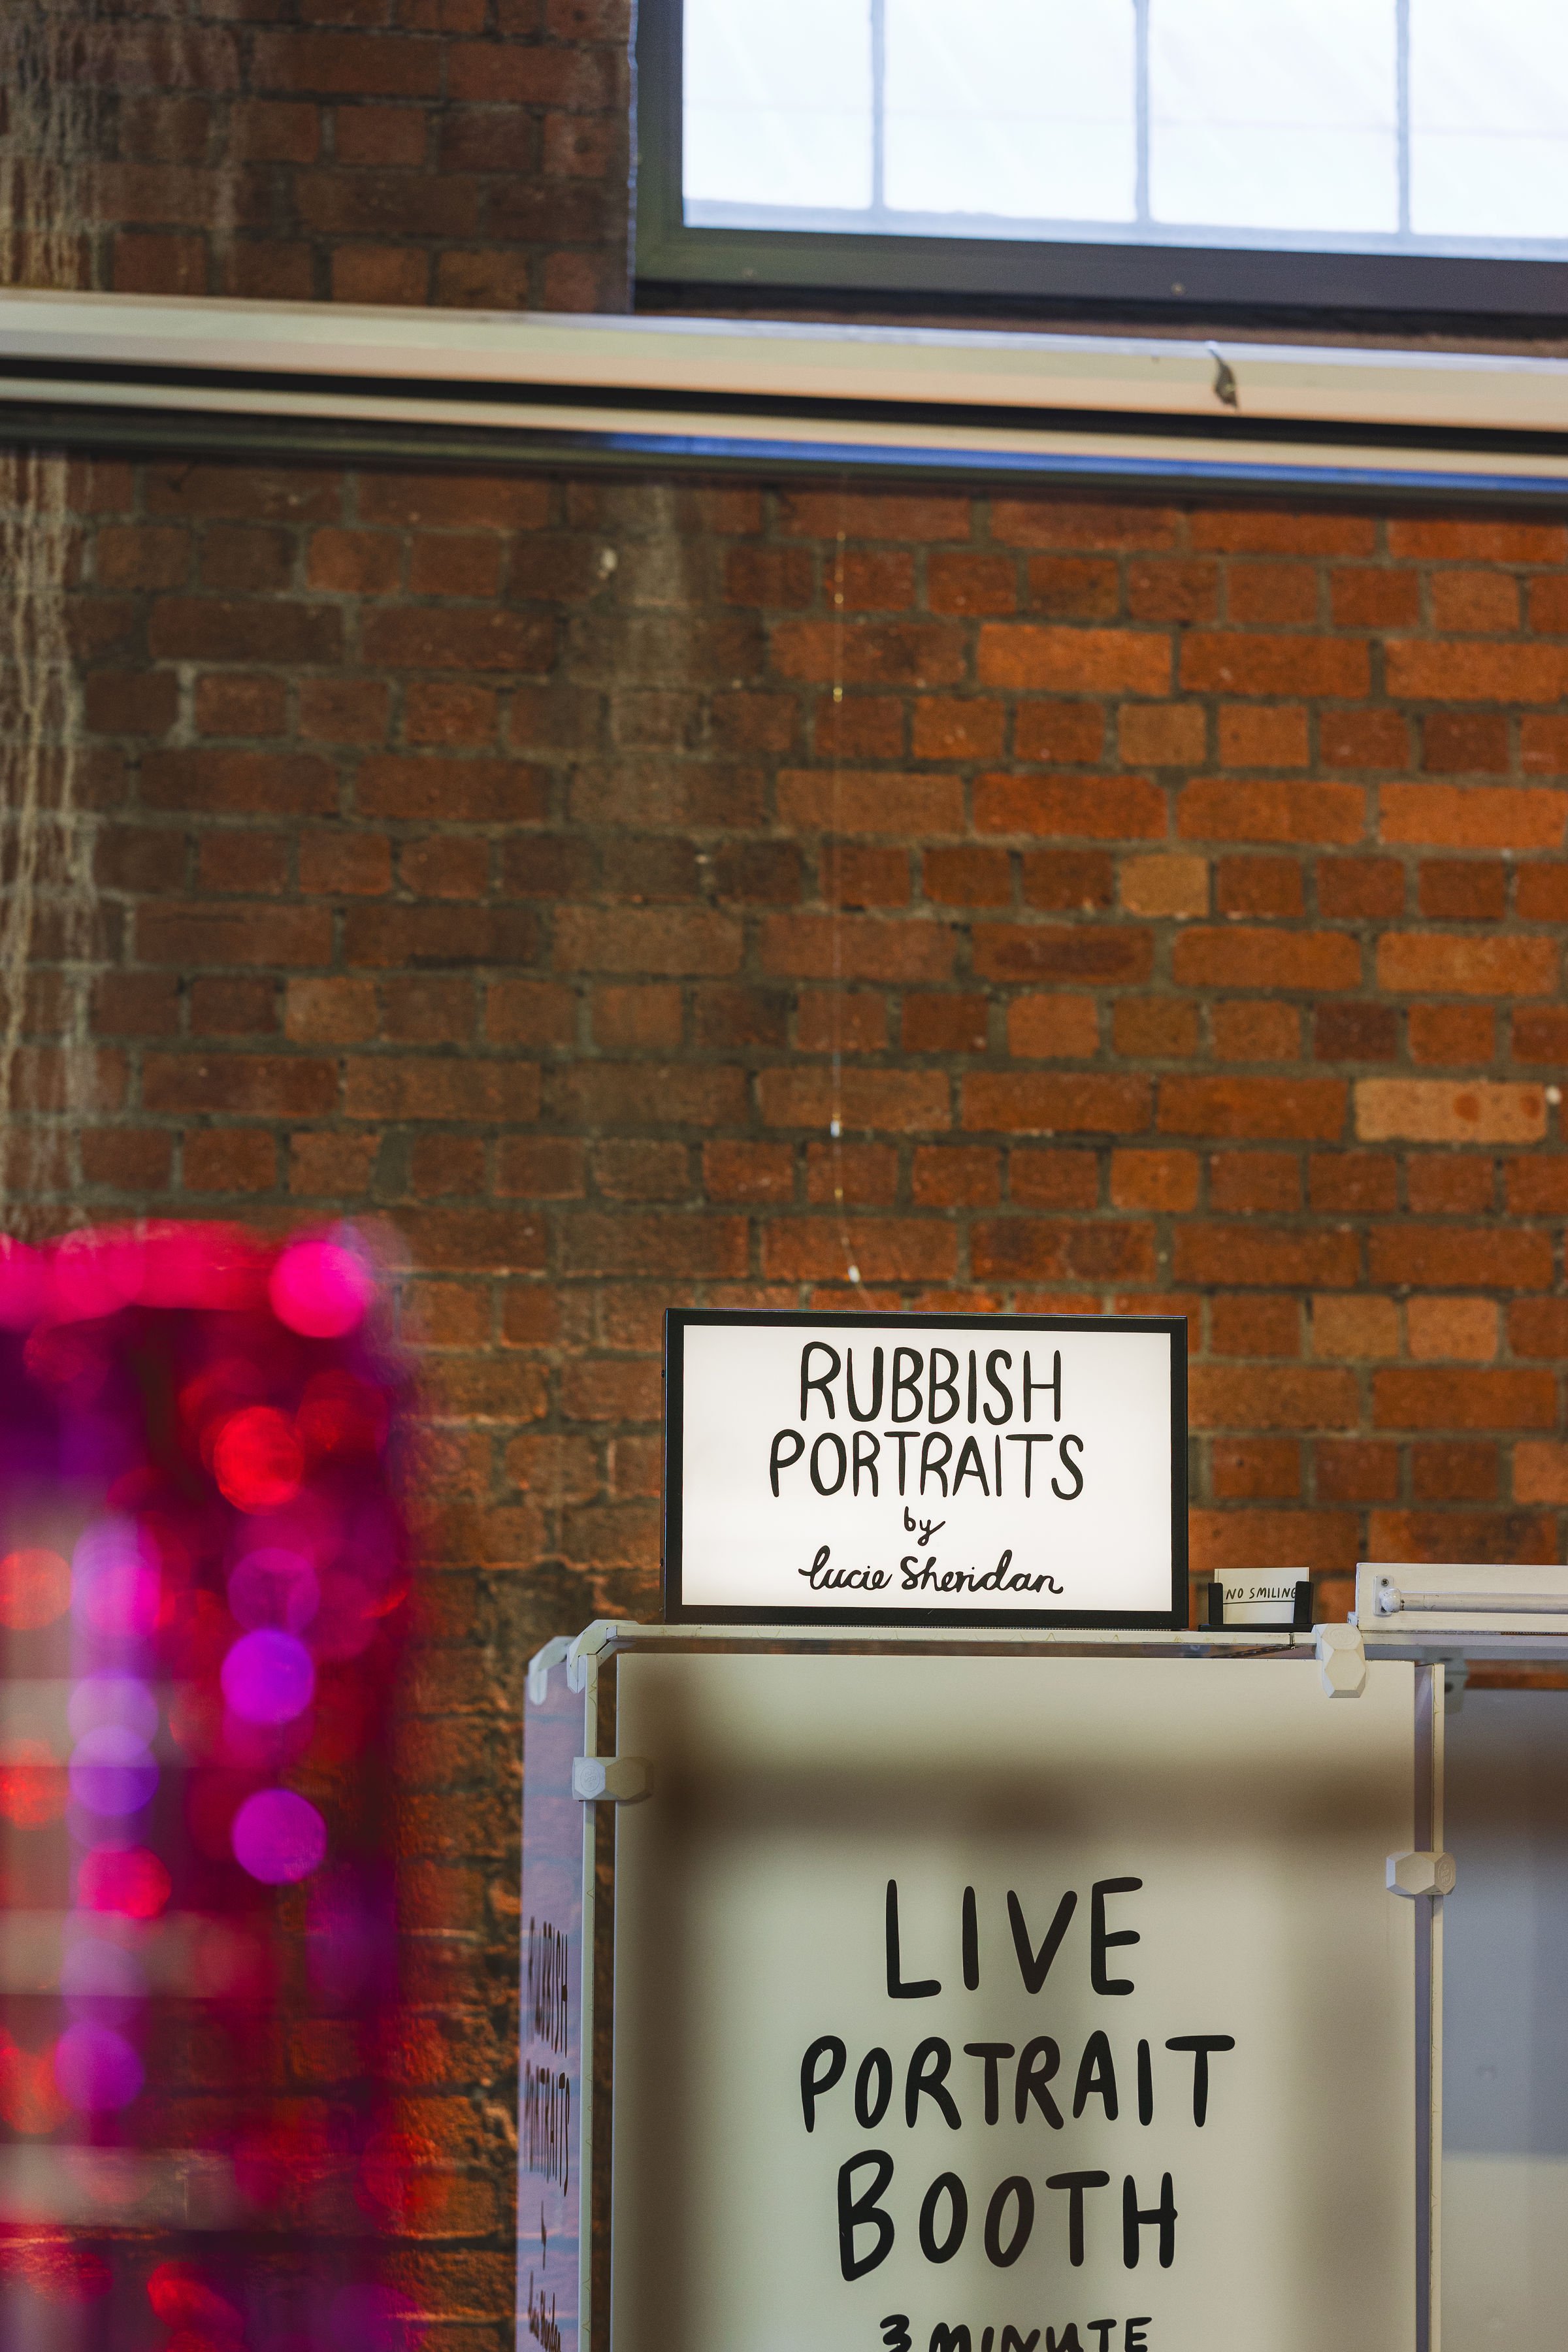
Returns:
(1073,587)
(1255,1325)
(1476,1399)
(1353,1470)
(1541,891)
(1360,889)
(1454,1033)
(1484,1256)
(1431,1110)
(1162,734)
(1169,591)
(967,878)
(1260,959)
(1056,1179)
(653,1245)
(1368,597)
(952,727)
(761,1173)
(954,1176)
(1030,659)
(185,933)
(1540,1471)
(1087,954)
(1059,734)
(1259,886)
(1465,743)
(1456,539)
(258,1086)
(1165,885)
(1153,1180)
(1052,1028)
(1452,1329)
(1059,879)
(945,1025)
(1421,669)
(1154,1028)
(1539,1033)
(1035,1249)
(1264,735)
(1472,816)
(1302,1396)
(1438,1182)
(1109,808)
(883,1249)
(426,786)
(1215,809)
(868,653)
(1305,1109)
(1249,662)
(1483,1536)
(1452,964)
(816,947)
(1454,1473)
(406,1087)
(898,1099)
(967,585)
(1254,1255)
(1454,889)
(1351,1032)
(1243,1180)
(1048,522)
(541,1168)
(1034,1103)
(1354,1324)
(230,1159)
(1325,1541)
(646,939)
(870,802)
(1353,1182)
(832,1020)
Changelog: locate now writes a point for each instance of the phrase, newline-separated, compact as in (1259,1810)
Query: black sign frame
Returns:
(677,1320)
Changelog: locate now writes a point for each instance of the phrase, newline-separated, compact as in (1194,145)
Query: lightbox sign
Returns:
(925,1469)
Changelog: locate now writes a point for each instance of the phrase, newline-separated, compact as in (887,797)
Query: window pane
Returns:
(1489,118)
(778,103)
(1013,109)
(1273,114)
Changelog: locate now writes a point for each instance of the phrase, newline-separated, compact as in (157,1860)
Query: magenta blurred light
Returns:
(274,1588)
(278,1837)
(320,1289)
(268,1676)
(123,1699)
(112,1770)
(96,2068)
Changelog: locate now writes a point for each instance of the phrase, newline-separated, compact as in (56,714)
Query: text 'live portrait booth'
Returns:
(923,1980)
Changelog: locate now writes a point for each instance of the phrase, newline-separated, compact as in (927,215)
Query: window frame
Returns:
(1170,280)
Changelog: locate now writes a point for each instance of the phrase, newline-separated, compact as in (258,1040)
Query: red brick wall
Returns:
(1168,904)
(472,152)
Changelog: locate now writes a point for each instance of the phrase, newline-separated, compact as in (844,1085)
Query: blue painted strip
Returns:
(695,448)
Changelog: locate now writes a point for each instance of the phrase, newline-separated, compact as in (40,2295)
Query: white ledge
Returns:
(908,397)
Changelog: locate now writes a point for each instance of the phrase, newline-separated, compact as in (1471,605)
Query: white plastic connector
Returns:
(539,1668)
(1422,1873)
(612,1780)
(1342,1660)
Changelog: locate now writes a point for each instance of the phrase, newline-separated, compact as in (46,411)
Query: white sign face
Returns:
(1014,2005)
(909,1467)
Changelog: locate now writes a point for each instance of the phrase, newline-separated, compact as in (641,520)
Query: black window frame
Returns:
(1122,280)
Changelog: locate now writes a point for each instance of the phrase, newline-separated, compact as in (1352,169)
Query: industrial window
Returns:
(1395,154)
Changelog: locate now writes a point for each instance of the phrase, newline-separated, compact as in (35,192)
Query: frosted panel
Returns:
(1505,2044)
(1236,1823)
(1282,117)
(1488,104)
(778,103)
(1021,107)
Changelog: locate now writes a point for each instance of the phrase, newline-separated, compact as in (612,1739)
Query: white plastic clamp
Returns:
(612,1780)
(1342,1660)
(1422,1873)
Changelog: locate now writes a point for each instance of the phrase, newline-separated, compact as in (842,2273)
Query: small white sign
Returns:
(928,1469)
